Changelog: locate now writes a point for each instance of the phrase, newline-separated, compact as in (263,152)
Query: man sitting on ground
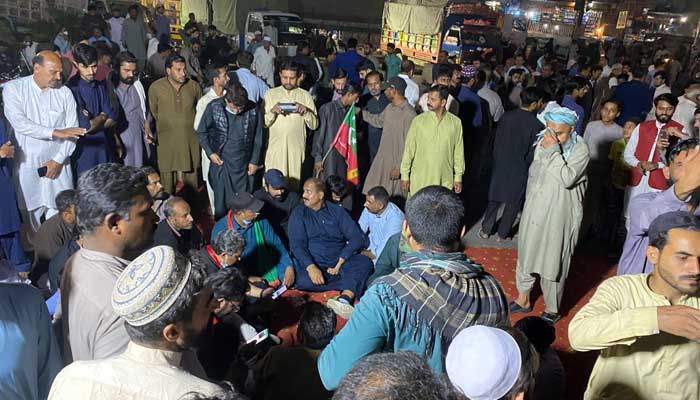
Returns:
(177,230)
(155,188)
(425,303)
(264,254)
(166,308)
(647,326)
(380,220)
(279,202)
(326,242)
(56,231)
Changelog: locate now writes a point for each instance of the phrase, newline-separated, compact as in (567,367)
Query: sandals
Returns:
(515,308)
(483,234)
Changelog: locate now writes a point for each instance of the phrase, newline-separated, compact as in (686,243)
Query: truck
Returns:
(421,32)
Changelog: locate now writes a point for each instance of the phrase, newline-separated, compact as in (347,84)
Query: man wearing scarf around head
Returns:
(552,214)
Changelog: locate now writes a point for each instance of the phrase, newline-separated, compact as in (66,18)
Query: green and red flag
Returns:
(346,143)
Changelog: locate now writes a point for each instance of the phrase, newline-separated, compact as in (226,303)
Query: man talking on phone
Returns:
(43,114)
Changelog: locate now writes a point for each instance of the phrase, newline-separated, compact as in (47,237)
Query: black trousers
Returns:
(507,219)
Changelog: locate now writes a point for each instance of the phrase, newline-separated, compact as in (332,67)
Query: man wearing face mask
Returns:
(230,134)
(95,113)
(264,254)
(279,201)
(134,35)
(134,128)
(375,102)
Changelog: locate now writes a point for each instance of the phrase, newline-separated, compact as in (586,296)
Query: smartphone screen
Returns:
(279,292)
(42,172)
(663,134)
(262,335)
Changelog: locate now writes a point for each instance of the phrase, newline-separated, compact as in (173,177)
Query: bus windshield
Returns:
(284,24)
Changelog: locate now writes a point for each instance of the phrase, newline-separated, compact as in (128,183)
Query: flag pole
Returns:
(335,140)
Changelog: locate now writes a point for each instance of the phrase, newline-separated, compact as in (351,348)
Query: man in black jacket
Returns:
(177,230)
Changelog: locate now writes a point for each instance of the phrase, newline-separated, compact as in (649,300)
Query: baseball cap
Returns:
(275,178)
(397,83)
(671,220)
(267,39)
(245,201)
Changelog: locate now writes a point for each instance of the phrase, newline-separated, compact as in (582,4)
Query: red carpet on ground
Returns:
(585,275)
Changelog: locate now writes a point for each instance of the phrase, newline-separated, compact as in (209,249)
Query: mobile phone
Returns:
(288,108)
(279,291)
(260,337)
(663,134)
(42,172)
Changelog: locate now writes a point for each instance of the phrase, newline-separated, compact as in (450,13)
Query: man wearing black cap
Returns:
(264,254)
(279,201)
(648,326)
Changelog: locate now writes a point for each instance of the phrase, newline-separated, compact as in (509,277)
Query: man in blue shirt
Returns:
(254,86)
(31,358)
(434,294)
(636,97)
(95,113)
(381,219)
(264,254)
(348,61)
(326,242)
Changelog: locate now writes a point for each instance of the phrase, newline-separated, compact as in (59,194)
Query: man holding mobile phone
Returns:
(43,115)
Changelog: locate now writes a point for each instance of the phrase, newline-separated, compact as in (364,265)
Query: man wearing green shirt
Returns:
(392,61)
(434,150)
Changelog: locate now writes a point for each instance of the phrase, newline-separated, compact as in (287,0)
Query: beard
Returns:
(55,83)
(127,81)
(662,118)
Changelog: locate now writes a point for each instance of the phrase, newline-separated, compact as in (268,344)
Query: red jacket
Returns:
(647,137)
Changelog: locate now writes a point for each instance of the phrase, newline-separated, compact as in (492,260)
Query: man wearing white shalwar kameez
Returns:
(44,117)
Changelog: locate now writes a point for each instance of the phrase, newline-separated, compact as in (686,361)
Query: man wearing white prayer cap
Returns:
(166,308)
(486,363)
(264,61)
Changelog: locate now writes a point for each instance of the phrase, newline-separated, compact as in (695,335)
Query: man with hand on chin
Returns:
(327,243)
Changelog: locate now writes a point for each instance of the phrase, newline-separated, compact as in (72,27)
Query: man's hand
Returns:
(301,109)
(318,168)
(216,159)
(549,139)
(458,187)
(661,144)
(252,169)
(315,275)
(648,166)
(405,186)
(673,131)
(7,150)
(680,321)
(97,123)
(148,134)
(289,277)
(69,133)
(53,169)
(336,270)
(277,110)
(395,174)
(223,307)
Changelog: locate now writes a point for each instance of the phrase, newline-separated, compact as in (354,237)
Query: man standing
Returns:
(134,36)
(395,122)
(392,61)
(512,154)
(685,110)
(115,220)
(230,134)
(327,244)
(443,77)
(264,62)
(43,115)
(635,97)
(254,86)
(683,195)
(255,43)
(309,65)
(218,75)
(660,84)
(163,304)
(162,25)
(434,151)
(376,103)
(191,55)
(286,148)
(264,254)
(442,291)
(412,90)
(327,160)
(647,326)
(485,92)
(348,61)
(155,69)
(380,220)
(173,101)
(115,27)
(177,230)
(95,113)
(134,129)
(642,153)
(279,202)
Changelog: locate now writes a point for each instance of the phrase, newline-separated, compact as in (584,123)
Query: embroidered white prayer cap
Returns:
(150,285)
(267,39)
(483,362)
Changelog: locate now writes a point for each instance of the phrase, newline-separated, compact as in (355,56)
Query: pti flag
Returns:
(346,143)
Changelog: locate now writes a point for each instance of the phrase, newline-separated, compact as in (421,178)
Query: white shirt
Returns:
(412,91)
(606,71)
(264,64)
(381,227)
(658,91)
(152,48)
(34,114)
(451,106)
(208,97)
(29,52)
(599,137)
(139,373)
(494,100)
(255,86)
(115,29)
(685,115)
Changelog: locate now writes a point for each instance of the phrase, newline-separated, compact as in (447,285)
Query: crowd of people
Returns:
(116,163)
